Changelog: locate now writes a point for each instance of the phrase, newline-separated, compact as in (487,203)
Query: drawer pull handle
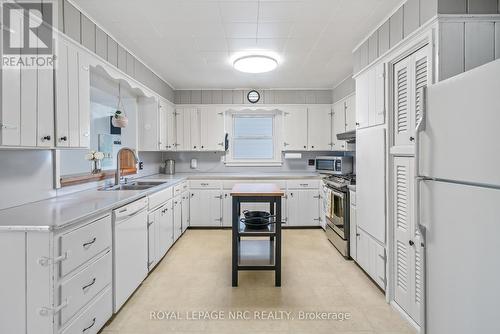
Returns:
(46,310)
(87,328)
(89,285)
(88,244)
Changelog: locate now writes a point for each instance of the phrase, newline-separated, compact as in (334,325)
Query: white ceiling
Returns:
(190,43)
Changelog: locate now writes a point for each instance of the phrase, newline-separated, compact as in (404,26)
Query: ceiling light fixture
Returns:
(255,64)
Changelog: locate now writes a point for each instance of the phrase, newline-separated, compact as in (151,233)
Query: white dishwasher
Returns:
(130,249)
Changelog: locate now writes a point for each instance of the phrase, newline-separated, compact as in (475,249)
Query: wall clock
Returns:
(253,96)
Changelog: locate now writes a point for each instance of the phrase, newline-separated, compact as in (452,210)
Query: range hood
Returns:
(349,137)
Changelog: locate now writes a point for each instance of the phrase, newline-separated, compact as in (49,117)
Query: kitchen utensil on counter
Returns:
(169,167)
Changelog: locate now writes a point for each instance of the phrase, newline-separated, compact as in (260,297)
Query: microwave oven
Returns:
(334,165)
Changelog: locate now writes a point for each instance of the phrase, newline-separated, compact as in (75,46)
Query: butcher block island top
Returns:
(256,189)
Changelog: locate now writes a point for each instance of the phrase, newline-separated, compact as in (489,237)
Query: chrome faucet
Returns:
(118,163)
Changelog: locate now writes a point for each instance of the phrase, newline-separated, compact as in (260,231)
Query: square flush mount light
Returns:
(255,64)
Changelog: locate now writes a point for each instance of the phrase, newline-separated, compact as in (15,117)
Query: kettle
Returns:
(170,167)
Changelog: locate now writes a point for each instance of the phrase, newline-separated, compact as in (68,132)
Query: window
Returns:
(253,139)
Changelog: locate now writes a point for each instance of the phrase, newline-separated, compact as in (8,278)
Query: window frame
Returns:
(276,115)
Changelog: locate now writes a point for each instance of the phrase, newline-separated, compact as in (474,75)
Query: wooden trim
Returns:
(72,180)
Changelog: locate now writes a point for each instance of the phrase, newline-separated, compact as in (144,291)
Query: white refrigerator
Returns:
(458,202)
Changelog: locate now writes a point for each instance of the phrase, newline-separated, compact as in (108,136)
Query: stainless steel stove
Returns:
(337,205)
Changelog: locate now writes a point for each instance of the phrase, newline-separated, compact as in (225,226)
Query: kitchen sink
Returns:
(136,185)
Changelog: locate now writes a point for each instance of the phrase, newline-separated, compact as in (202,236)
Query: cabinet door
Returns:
(353,232)
(362,250)
(403,222)
(148,124)
(205,208)
(183,129)
(162,128)
(170,126)
(212,129)
(153,238)
(227,208)
(177,207)
(338,125)
(185,211)
(377,95)
(195,129)
(166,229)
(319,127)
(403,124)
(73,96)
(308,207)
(84,100)
(362,100)
(295,129)
(61,84)
(350,113)
(293,209)
(422,78)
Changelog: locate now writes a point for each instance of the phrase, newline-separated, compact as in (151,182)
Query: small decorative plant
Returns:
(95,158)
(120,120)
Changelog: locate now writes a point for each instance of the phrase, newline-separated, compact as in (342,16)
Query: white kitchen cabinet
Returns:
(370,181)
(185,210)
(319,129)
(338,126)
(370,256)
(206,207)
(295,129)
(212,129)
(303,207)
(72,109)
(227,208)
(407,253)
(410,75)
(27,105)
(149,124)
(153,238)
(352,225)
(350,113)
(166,228)
(195,129)
(370,97)
(183,128)
(177,217)
(170,124)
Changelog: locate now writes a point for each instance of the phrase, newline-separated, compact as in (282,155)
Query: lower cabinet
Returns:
(177,208)
(206,207)
(303,207)
(185,211)
(370,255)
(160,233)
(353,226)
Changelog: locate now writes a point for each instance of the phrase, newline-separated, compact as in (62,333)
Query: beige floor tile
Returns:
(195,275)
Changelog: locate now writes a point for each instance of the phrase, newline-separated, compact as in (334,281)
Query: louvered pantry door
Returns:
(403,228)
(403,128)
(421,77)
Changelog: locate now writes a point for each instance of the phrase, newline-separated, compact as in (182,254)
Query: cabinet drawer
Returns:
(160,197)
(82,244)
(94,317)
(197,184)
(81,288)
(180,188)
(229,184)
(303,184)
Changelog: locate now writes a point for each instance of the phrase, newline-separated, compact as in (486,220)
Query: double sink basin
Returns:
(135,185)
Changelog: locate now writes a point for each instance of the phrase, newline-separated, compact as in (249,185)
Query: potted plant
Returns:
(95,158)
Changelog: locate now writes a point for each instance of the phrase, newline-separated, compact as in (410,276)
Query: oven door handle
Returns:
(339,194)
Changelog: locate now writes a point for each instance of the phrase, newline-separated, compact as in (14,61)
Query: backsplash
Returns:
(211,162)
(28,176)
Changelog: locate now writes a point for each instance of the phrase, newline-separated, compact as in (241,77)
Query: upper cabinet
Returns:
(319,129)
(72,84)
(370,97)
(410,76)
(295,129)
(343,120)
(212,129)
(156,129)
(350,113)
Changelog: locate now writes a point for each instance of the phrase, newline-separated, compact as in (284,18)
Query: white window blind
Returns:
(253,138)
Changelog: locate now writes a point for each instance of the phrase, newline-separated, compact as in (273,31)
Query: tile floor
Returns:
(195,276)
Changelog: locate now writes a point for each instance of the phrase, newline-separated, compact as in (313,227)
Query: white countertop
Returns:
(63,211)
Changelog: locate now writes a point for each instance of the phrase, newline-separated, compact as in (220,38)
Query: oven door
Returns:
(338,217)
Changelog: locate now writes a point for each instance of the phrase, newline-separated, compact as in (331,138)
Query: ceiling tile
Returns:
(241,30)
(274,30)
(279,11)
(213,44)
(239,11)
